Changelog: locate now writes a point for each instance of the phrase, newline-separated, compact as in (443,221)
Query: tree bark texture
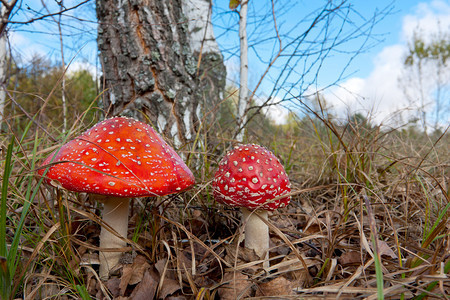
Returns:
(149,68)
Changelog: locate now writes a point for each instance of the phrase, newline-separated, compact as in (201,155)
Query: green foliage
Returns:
(426,81)
(437,49)
(36,90)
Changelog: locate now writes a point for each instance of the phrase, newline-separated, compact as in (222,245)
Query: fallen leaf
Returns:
(160,265)
(169,286)
(236,286)
(132,274)
(238,254)
(146,289)
(127,272)
(350,258)
(294,270)
(385,250)
(279,286)
(113,286)
(140,265)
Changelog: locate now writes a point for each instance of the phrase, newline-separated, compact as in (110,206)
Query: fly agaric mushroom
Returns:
(252,178)
(118,158)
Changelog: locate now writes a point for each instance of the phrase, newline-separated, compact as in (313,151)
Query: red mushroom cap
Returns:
(250,176)
(119,157)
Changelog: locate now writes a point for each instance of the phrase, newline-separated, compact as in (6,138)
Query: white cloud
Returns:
(380,94)
(80,65)
(24,47)
(276,111)
(429,18)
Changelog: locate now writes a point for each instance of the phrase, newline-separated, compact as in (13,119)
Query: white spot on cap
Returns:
(255,180)
(250,168)
(112,183)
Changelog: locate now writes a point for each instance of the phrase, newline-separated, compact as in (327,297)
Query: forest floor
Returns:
(369,218)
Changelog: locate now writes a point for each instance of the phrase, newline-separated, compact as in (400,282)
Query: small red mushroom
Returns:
(252,178)
(118,158)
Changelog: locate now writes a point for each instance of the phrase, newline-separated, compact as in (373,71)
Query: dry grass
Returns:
(360,196)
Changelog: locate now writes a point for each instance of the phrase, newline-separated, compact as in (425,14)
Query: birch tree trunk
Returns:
(243,74)
(3,68)
(6,8)
(149,67)
(3,78)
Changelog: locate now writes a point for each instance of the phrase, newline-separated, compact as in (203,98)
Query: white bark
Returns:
(63,64)
(3,69)
(201,34)
(243,90)
(256,233)
(115,214)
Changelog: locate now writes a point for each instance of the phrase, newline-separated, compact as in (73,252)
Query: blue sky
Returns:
(373,84)
(363,88)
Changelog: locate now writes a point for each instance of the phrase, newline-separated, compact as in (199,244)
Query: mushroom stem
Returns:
(256,233)
(115,214)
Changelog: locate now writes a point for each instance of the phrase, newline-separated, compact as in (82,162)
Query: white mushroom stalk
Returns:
(256,233)
(115,215)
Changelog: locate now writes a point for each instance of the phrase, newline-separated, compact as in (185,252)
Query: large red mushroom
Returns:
(117,159)
(252,178)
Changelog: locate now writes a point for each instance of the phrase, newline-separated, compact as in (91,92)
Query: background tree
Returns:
(37,84)
(153,56)
(52,17)
(426,78)
(6,8)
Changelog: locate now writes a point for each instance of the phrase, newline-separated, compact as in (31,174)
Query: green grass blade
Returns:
(12,255)
(5,271)
(81,289)
(4,197)
(378,272)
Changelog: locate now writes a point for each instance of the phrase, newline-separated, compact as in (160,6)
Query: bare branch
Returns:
(5,13)
(62,11)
